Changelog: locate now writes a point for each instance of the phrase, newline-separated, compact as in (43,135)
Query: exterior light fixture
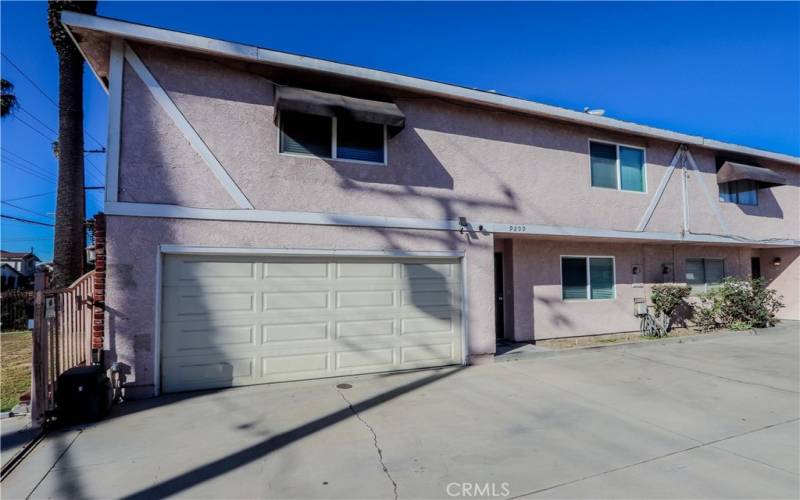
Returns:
(462,221)
(776,262)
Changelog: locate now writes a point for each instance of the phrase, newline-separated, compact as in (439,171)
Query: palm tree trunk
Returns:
(70,240)
(68,252)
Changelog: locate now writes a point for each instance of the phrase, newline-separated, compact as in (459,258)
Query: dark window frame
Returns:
(588,267)
(334,145)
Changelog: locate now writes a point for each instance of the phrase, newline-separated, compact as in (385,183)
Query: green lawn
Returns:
(15,367)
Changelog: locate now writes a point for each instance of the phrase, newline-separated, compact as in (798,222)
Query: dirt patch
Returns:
(611,338)
(15,367)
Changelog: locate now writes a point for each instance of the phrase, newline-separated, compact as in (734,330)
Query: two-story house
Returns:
(17,268)
(278,217)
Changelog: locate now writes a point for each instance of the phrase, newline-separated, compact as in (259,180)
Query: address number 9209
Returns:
(516,229)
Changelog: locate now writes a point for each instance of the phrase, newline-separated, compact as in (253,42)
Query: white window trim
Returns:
(697,288)
(333,156)
(588,276)
(619,165)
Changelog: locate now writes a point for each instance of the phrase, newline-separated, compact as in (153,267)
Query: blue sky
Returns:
(729,71)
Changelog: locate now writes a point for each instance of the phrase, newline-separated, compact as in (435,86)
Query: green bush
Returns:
(738,304)
(670,301)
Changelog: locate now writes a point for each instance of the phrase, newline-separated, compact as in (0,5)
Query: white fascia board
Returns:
(294,252)
(374,221)
(188,41)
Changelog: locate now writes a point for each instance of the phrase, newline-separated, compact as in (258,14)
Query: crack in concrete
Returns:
(374,442)
(60,456)
(729,379)
(653,459)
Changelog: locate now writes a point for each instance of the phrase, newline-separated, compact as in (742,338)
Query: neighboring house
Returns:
(10,278)
(277,217)
(24,263)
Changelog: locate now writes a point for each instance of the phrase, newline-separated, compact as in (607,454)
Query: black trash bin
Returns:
(83,394)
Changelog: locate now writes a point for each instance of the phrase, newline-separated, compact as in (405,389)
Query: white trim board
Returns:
(662,186)
(223,48)
(711,202)
(350,220)
(186,128)
(116,64)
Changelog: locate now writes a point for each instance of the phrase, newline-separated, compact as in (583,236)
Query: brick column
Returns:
(98,311)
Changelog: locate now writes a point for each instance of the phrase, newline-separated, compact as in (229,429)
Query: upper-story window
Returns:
(616,166)
(332,138)
(744,192)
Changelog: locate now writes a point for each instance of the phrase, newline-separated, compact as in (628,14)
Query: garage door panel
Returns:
(295,270)
(307,300)
(244,320)
(293,332)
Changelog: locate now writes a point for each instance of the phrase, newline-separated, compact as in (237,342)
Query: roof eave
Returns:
(186,41)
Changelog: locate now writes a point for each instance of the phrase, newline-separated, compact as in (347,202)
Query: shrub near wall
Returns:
(738,304)
(670,301)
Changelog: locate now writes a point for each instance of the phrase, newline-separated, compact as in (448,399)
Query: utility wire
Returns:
(40,122)
(30,80)
(27,221)
(28,164)
(28,170)
(45,94)
(49,139)
(40,214)
(33,196)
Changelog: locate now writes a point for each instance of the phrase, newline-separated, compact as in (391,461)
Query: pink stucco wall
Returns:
(784,278)
(451,160)
(541,313)
(131,277)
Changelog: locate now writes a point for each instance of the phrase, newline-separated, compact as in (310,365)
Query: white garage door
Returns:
(229,320)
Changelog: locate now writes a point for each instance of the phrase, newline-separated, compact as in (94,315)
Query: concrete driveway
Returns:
(711,418)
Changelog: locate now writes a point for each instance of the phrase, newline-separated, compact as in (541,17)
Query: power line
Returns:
(40,214)
(30,80)
(49,139)
(15,158)
(31,196)
(40,122)
(27,221)
(28,170)
(45,94)
(93,165)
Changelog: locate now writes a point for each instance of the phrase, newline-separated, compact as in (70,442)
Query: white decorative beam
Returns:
(115,70)
(711,203)
(189,132)
(648,214)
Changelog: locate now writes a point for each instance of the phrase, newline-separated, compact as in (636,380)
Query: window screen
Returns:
(573,278)
(702,274)
(601,274)
(631,165)
(359,140)
(306,134)
(604,164)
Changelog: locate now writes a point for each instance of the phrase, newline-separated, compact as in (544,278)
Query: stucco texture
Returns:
(785,278)
(540,312)
(133,253)
(451,160)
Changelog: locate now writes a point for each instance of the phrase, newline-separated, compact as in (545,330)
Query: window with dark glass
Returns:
(359,141)
(744,192)
(587,278)
(306,134)
(334,138)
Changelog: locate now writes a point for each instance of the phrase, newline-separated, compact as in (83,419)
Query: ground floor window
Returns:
(703,274)
(587,278)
